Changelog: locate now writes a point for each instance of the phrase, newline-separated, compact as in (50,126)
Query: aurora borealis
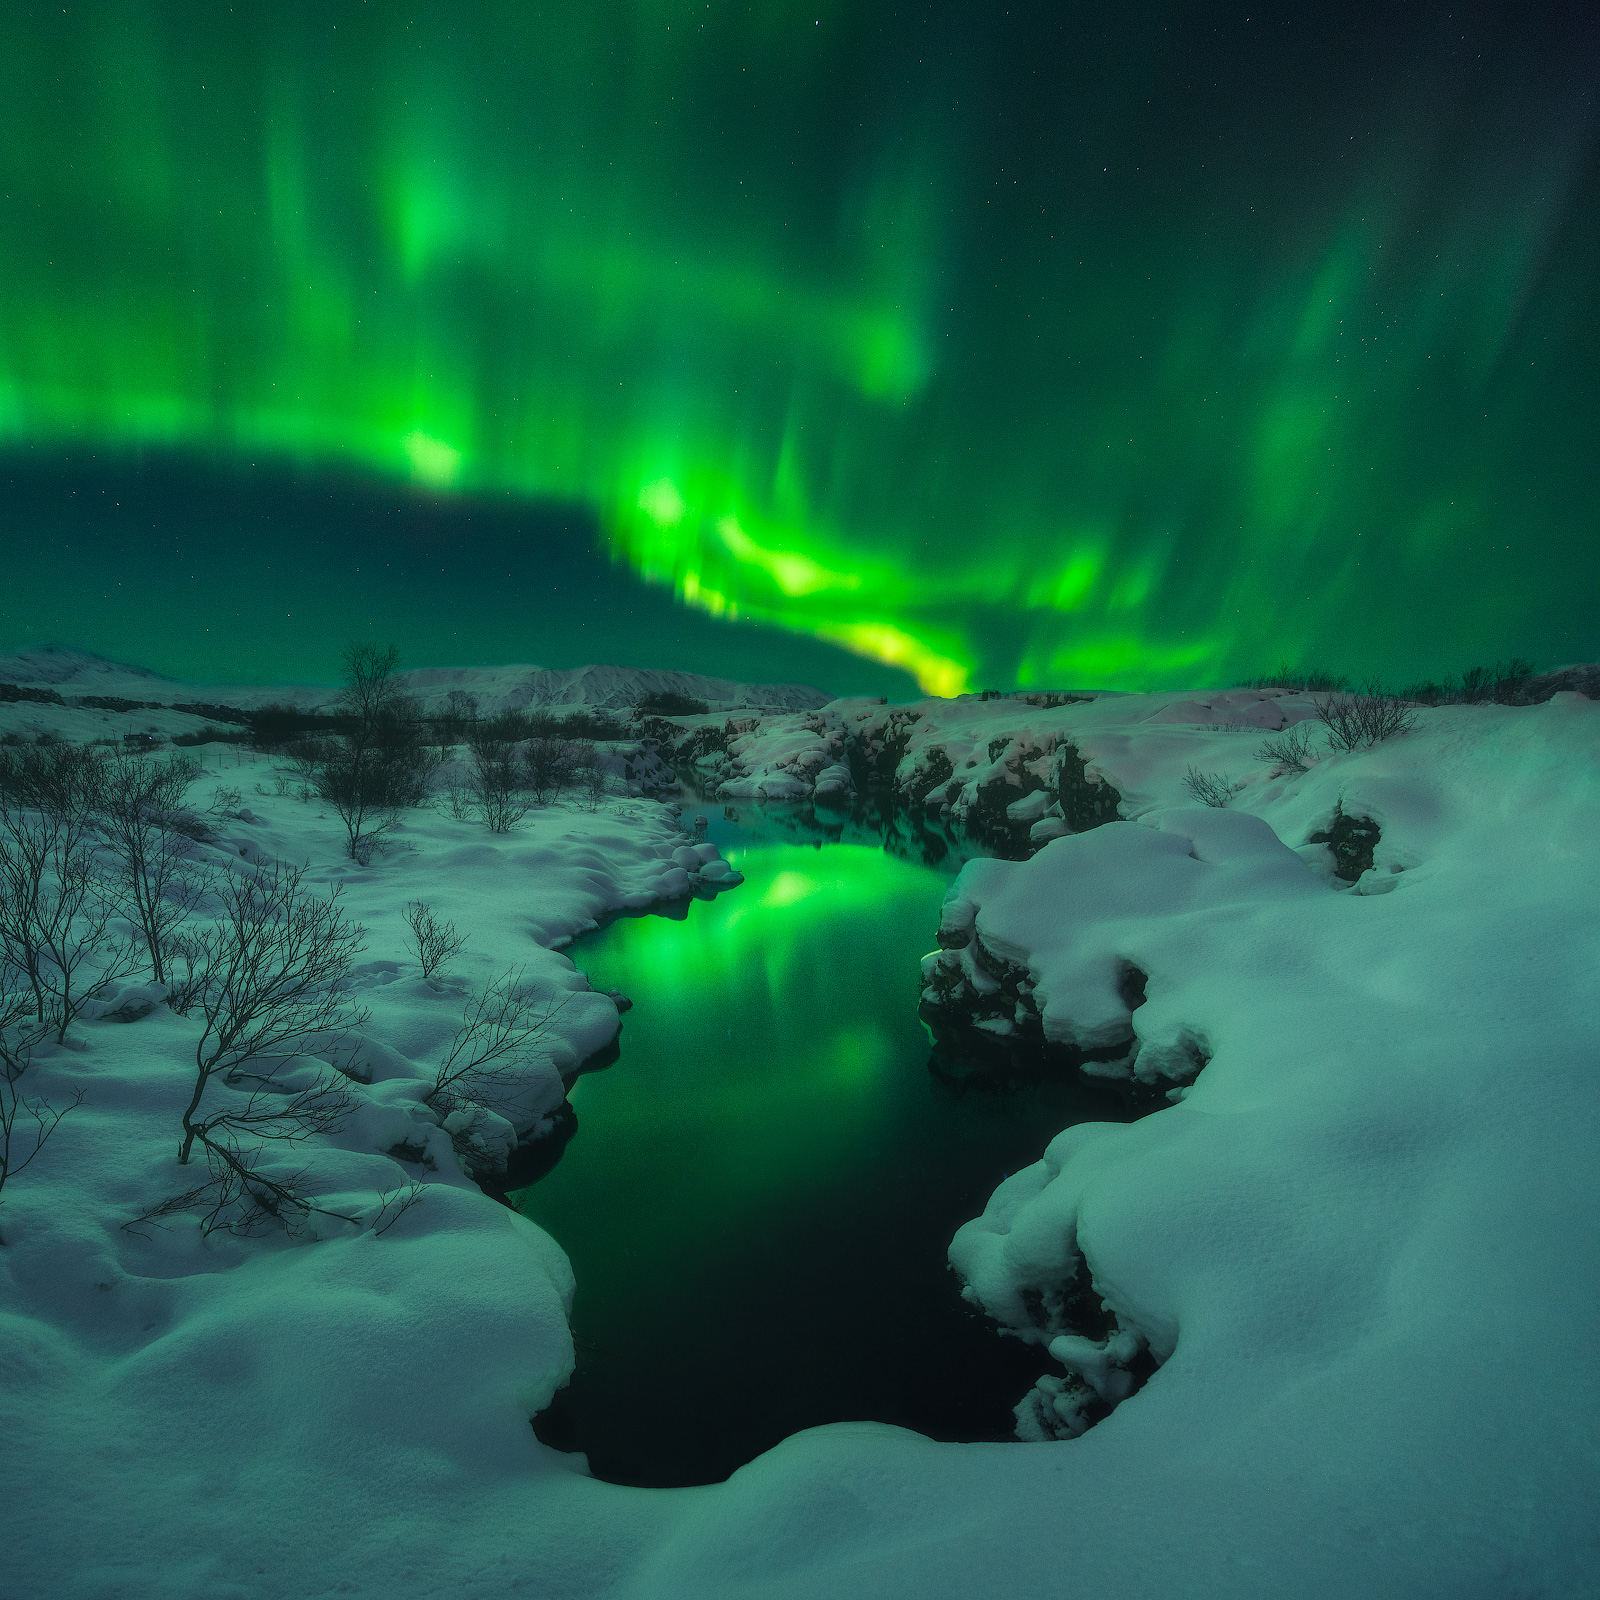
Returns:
(1052,345)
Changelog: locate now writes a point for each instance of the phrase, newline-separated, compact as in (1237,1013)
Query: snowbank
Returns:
(1329,1311)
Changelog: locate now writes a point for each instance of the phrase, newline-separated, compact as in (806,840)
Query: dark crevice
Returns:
(1351,841)
(1085,802)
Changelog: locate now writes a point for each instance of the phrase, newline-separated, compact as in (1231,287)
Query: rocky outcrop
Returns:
(1350,840)
(1087,800)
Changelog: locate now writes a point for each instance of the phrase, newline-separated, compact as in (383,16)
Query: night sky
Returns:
(1050,345)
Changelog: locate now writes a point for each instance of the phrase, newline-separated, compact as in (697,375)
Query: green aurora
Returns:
(1032,346)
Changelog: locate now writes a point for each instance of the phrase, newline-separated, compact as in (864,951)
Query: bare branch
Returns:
(269,980)
(19,1147)
(1289,751)
(501,1026)
(158,882)
(434,941)
(1355,721)
(1210,788)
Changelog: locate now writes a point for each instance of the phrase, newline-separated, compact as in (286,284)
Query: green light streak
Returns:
(827,352)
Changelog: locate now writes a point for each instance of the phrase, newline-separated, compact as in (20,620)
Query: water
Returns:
(762,1188)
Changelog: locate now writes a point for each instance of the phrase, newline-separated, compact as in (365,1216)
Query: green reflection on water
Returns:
(772,1044)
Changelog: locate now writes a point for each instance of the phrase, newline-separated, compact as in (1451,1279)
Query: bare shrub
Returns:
(1356,721)
(1502,684)
(498,777)
(267,978)
(268,981)
(380,762)
(434,941)
(458,796)
(502,1028)
(1289,751)
(1312,680)
(590,777)
(460,712)
(156,883)
(1210,788)
(55,914)
(25,1123)
(59,779)
(669,703)
(550,765)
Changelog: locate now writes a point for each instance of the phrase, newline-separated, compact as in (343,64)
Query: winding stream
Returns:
(762,1187)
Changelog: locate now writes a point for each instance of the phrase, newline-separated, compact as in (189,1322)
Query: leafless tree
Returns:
(268,982)
(1210,788)
(380,762)
(157,882)
(501,1027)
(434,941)
(55,918)
(369,681)
(459,796)
(1289,751)
(55,778)
(589,775)
(548,768)
(1355,721)
(305,757)
(459,714)
(497,771)
(25,1123)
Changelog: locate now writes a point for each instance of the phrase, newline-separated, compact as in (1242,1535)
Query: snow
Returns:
(499,688)
(1356,1256)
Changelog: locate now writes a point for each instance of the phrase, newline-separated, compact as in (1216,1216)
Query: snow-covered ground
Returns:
(1356,1257)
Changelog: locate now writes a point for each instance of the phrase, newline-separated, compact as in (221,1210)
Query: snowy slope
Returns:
(1360,1252)
(75,673)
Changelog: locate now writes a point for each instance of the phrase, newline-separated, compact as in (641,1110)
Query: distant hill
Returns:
(74,673)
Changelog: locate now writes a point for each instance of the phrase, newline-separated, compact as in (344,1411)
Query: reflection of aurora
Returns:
(841,323)
(788,992)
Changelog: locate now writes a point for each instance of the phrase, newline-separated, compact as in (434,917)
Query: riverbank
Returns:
(1358,1252)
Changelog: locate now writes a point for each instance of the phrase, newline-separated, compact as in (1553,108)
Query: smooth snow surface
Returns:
(1362,1247)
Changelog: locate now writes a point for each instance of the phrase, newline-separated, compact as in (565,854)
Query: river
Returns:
(761,1188)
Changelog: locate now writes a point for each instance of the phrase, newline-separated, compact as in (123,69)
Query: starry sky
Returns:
(875,345)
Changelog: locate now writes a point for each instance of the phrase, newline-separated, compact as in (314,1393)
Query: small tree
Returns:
(267,979)
(157,882)
(549,765)
(434,941)
(459,714)
(498,774)
(25,1124)
(64,780)
(379,763)
(501,1031)
(590,776)
(268,983)
(55,916)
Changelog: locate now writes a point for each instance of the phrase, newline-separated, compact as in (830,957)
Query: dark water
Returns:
(762,1188)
